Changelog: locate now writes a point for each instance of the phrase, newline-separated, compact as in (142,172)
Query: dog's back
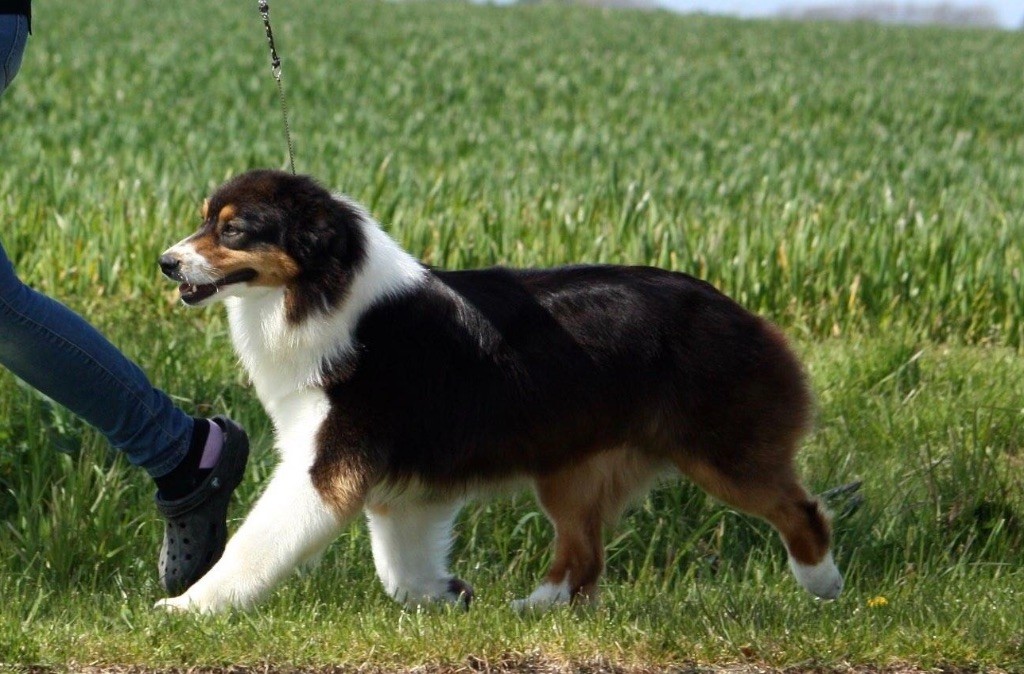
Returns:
(492,373)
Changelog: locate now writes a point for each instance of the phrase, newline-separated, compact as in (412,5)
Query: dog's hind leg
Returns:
(410,542)
(772,492)
(580,501)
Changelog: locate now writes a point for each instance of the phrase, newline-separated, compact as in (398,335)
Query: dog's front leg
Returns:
(290,523)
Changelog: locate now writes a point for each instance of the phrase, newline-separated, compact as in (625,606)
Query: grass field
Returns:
(861,186)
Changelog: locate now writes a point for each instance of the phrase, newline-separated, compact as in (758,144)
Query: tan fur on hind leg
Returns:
(774,494)
(580,501)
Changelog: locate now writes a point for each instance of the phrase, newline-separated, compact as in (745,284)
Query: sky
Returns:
(1010,12)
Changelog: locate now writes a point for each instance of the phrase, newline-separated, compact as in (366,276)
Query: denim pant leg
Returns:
(60,354)
(13,33)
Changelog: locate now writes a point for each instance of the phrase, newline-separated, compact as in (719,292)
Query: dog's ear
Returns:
(326,240)
(322,236)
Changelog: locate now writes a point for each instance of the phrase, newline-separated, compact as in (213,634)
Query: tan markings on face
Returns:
(205,208)
(273,266)
(227,214)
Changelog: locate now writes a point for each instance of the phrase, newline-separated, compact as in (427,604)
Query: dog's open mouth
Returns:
(194,294)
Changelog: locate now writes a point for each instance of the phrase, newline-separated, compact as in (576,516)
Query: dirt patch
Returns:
(514,665)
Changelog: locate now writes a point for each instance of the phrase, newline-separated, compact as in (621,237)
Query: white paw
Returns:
(526,606)
(181,604)
(194,602)
(544,597)
(822,579)
(443,591)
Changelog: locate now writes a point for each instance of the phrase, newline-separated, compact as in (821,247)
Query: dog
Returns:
(402,391)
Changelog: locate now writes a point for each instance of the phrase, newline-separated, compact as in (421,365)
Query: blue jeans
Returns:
(60,354)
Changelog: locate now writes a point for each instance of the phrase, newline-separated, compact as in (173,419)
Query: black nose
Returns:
(169,265)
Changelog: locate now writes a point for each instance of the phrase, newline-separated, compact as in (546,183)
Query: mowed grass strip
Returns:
(862,186)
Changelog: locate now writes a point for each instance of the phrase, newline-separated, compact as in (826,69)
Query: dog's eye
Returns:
(230,230)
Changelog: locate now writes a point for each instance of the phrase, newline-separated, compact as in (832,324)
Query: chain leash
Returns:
(275,68)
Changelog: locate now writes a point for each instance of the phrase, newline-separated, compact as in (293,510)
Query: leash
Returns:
(275,68)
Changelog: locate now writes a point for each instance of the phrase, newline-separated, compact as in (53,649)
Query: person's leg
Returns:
(13,33)
(60,354)
(196,463)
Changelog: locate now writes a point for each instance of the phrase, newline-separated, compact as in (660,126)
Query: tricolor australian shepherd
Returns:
(401,391)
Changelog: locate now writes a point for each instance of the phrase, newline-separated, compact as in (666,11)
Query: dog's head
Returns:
(266,229)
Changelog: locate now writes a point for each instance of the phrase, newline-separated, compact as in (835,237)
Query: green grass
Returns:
(861,186)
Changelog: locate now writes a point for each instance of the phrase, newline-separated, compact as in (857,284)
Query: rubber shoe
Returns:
(196,529)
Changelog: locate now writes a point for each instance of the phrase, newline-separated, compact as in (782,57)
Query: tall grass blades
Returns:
(860,185)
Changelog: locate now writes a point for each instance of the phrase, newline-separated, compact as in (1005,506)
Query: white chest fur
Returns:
(286,361)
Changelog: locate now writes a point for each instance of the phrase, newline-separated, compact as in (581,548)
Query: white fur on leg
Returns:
(545,596)
(410,544)
(822,579)
(289,524)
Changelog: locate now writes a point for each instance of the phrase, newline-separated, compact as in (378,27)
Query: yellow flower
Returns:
(877,602)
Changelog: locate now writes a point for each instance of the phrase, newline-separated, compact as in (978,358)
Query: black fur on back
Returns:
(492,373)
